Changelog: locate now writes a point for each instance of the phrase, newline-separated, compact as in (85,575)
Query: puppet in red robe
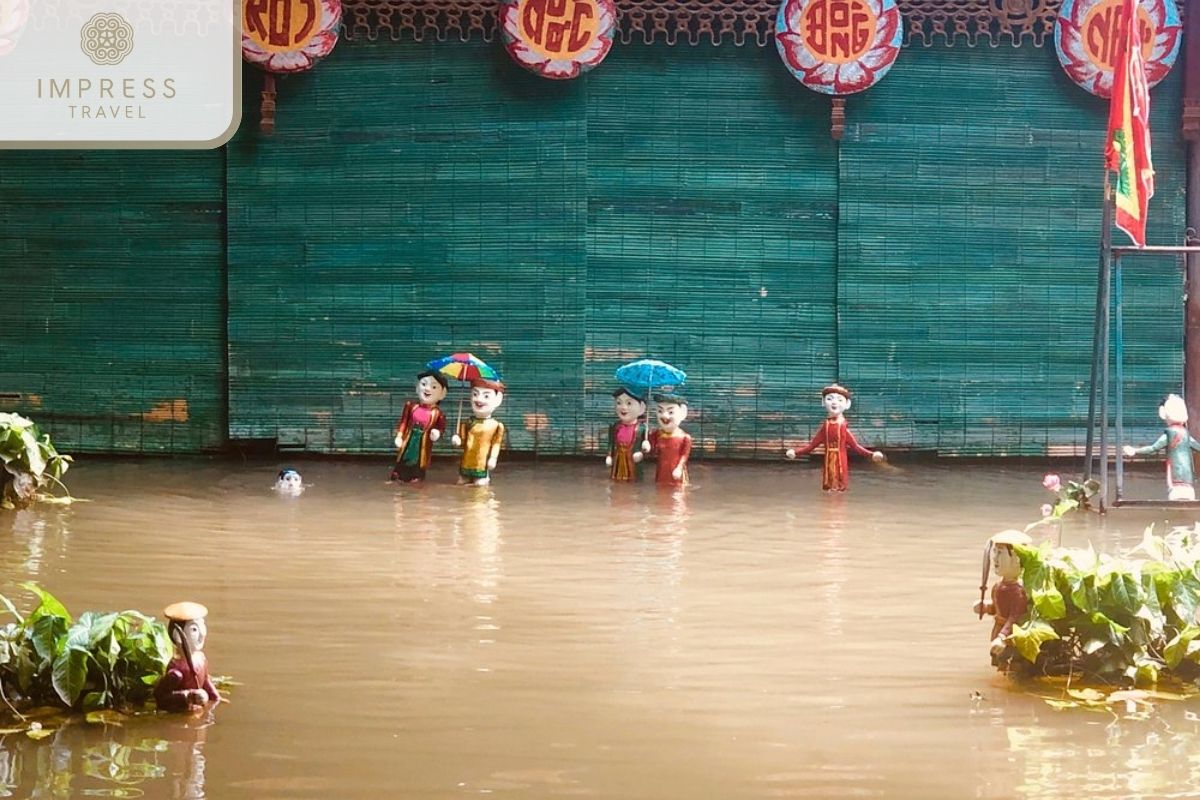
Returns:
(670,444)
(834,434)
(186,684)
(1009,601)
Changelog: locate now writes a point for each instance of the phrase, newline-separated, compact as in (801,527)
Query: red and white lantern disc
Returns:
(838,46)
(289,35)
(1086,33)
(558,38)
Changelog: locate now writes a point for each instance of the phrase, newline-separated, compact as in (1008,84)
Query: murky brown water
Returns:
(555,636)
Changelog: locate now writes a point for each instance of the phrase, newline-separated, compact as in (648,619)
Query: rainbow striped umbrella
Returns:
(463,367)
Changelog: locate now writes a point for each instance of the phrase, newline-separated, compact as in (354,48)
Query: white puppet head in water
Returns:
(289,481)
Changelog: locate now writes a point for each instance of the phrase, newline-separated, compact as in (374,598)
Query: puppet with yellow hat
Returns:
(187,683)
(834,434)
(1009,600)
(481,437)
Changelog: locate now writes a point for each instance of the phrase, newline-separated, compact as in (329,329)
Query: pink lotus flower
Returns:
(1052,482)
(1047,510)
(836,77)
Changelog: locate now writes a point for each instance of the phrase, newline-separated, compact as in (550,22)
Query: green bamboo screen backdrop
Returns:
(112,326)
(684,203)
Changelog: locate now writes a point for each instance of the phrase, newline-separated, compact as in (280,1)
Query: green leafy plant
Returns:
(1128,619)
(100,660)
(30,464)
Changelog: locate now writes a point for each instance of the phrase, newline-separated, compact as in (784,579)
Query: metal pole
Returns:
(1191,133)
(1119,346)
(1104,390)
(1191,344)
(1105,317)
(1101,304)
(1191,322)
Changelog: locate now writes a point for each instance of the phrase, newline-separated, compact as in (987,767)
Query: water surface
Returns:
(555,636)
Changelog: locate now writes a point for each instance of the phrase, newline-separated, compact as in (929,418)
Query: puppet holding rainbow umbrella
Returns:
(481,436)
(422,422)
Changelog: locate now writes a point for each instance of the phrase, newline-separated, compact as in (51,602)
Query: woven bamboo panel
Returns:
(112,333)
(458,204)
(414,201)
(685,203)
(968,242)
(712,196)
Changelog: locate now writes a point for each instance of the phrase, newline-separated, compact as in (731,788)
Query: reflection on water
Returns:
(34,534)
(163,758)
(553,634)
(834,556)
(1152,758)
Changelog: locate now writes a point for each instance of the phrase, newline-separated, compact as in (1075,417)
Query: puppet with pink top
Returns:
(624,455)
(420,425)
(669,444)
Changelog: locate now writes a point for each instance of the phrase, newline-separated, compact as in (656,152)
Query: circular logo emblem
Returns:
(1086,33)
(838,46)
(289,35)
(106,39)
(558,38)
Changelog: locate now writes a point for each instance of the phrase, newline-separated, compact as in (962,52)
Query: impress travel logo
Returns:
(119,73)
(106,39)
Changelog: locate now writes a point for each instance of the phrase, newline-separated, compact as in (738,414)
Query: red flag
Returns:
(1128,148)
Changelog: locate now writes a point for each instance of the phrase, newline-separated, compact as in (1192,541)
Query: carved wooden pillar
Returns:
(267,123)
(838,118)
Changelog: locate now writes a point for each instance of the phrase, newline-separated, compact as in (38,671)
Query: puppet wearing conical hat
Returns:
(186,684)
(1009,601)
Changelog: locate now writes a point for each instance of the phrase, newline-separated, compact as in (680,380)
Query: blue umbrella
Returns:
(647,374)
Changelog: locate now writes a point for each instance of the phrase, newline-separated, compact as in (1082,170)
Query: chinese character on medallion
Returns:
(1086,33)
(838,47)
(289,35)
(558,38)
